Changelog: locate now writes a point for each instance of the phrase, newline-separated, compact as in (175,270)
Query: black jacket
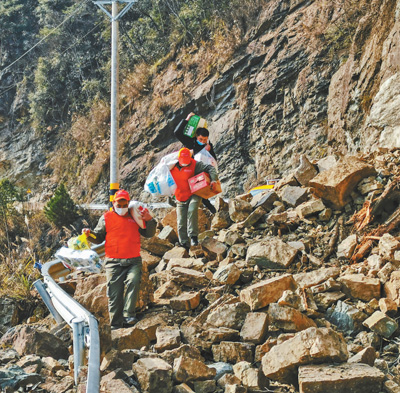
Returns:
(191,143)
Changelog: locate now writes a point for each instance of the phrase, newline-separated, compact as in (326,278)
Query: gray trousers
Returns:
(123,275)
(188,218)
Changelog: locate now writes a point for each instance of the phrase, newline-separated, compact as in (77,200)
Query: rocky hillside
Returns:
(291,290)
(309,77)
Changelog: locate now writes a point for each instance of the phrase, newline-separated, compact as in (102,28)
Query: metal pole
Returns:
(114,17)
(114,160)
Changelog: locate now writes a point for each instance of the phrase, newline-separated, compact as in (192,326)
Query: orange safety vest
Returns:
(122,236)
(181,177)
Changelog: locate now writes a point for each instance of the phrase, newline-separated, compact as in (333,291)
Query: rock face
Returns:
(282,79)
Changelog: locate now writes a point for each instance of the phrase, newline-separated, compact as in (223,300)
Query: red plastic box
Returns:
(200,185)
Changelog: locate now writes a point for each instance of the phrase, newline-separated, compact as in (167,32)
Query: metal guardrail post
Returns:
(78,346)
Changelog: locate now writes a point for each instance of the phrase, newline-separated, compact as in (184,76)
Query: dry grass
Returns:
(18,255)
(81,155)
(211,57)
(17,276)
(136,84)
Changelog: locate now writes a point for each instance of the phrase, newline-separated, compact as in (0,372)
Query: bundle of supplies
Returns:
(78,256)
(135,210)
(193,124)
(204,156)
(160,181)
(79,243)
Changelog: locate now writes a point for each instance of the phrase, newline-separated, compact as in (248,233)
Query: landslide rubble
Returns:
(295,289)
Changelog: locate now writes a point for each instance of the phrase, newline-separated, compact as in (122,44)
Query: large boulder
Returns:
(361,287)
(315,277)
(268,291)
(229,315)
(129,338)
(313,345)
(154,375)
(187,369)
(15,378)
(271,253)
(288,319)
(342,378)
(28,340)
(336,184)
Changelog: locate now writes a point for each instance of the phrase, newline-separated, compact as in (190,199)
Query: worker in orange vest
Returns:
(188,203)
(123,263)
(199,142)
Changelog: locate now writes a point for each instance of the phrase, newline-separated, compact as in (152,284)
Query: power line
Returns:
(44,38)
(80,39)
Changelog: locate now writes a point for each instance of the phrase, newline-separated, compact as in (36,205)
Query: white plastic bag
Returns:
(204,156)
(160,181)
(87,260)
(170,159)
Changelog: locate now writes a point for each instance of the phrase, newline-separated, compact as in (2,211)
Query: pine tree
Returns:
(61,210)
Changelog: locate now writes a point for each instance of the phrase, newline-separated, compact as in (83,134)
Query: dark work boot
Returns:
(184,245)
(130,321)
(194,241)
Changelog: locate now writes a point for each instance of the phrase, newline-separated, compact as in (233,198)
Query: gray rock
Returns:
(305,171)
(15,377)
(294,196)
(9,312)
(346,317)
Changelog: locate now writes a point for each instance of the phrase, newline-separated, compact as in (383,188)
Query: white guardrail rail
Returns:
(84,325)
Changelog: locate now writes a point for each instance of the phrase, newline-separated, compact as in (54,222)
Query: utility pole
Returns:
(114,16)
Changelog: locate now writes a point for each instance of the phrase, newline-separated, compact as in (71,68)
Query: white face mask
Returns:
(121,211)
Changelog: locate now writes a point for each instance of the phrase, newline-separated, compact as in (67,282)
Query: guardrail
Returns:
(84,325)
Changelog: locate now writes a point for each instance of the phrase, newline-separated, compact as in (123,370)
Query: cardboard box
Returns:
(200,185)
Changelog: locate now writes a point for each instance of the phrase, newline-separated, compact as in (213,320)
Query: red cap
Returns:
(121,194)
(184,156)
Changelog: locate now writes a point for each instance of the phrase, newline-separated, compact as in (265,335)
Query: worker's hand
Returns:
(207,147)
(189,116)
(86,231)
(146,215)
(213,184)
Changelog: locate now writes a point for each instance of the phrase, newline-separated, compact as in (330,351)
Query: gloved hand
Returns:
(189,116)
(213,184)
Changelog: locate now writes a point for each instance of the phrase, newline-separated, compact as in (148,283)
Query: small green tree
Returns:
(61,210)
